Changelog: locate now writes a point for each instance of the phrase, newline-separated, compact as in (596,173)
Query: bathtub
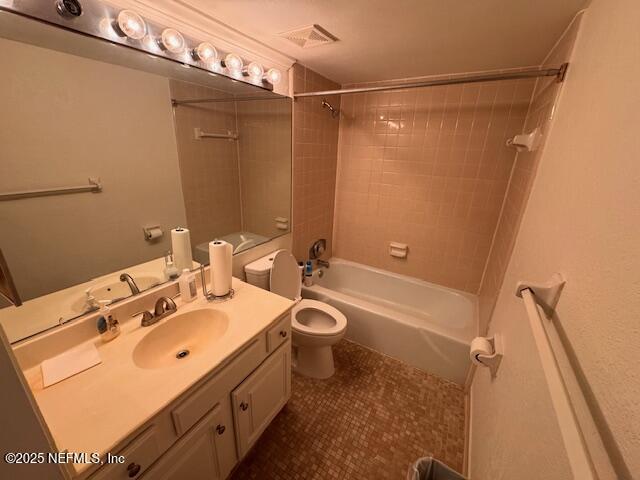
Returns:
(420,323)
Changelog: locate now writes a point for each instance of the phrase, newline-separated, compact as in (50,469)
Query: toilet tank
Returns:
(259,270)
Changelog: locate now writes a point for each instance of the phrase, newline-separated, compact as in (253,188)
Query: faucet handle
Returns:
(164,305)
(147,318)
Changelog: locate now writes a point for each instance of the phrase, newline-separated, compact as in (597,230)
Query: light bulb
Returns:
(233,62)
(255,70)
(215,66)
(131,24)
(150,43)
(205,52)
(172,40)
(273,76)
(107,28)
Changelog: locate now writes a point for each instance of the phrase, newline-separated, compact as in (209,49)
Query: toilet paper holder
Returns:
(152,233)
(492,360)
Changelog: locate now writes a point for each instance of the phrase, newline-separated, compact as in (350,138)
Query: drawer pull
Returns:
(283,333)
(244,406)
(220,429)
(133,469)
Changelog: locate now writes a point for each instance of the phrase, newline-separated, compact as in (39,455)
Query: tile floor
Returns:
(371,420)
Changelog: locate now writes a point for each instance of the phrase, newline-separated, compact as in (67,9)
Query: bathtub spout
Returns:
(323,263)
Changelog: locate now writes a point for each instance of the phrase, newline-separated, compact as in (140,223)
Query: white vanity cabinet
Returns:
(258,399)
(206,431)
(206,452)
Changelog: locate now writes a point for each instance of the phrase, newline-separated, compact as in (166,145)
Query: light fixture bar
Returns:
(175,102)
(127,28)
(559,73)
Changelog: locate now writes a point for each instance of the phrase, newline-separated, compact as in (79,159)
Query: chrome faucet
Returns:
(322,263)
(125,277)
(164,306)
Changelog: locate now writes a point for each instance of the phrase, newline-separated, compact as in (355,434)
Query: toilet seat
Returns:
(317,325)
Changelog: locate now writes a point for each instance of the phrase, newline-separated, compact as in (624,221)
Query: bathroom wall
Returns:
(427,167)
(208,167)
(57,130)
(264,148)
(582,220)
(524,169)
(315,144)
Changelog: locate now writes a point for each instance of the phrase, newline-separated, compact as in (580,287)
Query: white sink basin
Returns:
(180,337)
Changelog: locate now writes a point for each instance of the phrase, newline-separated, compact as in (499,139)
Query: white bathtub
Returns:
(420,323)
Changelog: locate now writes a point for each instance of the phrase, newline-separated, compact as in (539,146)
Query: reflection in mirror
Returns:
(136,126)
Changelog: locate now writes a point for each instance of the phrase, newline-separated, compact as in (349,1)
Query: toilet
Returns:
(315,326)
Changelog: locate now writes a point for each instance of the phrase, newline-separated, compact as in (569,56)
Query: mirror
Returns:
(103,147)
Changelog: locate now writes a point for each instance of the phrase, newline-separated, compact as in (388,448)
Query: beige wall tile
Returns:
(427,167)
(315,147)
(524,170)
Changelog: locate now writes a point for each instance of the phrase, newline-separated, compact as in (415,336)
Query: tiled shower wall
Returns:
(264,152)
(315,145)
(540,115)
(251,177)
(427,167)
(208,167)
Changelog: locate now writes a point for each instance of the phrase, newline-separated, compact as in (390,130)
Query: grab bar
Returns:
(579,457)
(95,187)
(199,135)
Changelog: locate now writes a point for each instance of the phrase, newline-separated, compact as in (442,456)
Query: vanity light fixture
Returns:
(124,26)
(254,70)
(172,40)
(131,24)
(273,76)
(233,63)
(205,52)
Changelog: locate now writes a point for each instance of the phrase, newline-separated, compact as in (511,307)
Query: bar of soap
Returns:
(69,363)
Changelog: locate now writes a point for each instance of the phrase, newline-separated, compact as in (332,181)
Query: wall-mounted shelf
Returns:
(199,135)
(94,187)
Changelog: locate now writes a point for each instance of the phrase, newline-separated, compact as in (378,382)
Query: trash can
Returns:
(428,468)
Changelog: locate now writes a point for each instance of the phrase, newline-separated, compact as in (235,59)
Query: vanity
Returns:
(128,148)
(171,415)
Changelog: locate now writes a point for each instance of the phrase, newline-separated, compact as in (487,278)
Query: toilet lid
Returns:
(285,275)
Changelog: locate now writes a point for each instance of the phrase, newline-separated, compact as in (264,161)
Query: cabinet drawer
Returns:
(279,333)
(138,456)
(204,398)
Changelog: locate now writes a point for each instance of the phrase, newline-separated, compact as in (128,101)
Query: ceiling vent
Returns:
(309,36)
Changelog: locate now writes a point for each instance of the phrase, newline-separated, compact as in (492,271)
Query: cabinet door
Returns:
(203,453)
(258,399)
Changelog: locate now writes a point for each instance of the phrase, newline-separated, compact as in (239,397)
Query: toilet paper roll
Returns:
(220,262)
(480,346)
(181,247)
(153,233)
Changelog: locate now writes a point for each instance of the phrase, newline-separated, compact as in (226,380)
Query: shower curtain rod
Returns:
(559,73)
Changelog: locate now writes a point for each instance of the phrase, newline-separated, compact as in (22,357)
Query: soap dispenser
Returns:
(170,270)
(108,325)
(187,284)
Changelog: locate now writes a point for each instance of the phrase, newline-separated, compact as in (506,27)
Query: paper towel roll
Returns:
(181,247)
(220,262)
(480,346)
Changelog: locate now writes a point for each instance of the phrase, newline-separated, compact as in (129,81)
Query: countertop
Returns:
(95,410)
